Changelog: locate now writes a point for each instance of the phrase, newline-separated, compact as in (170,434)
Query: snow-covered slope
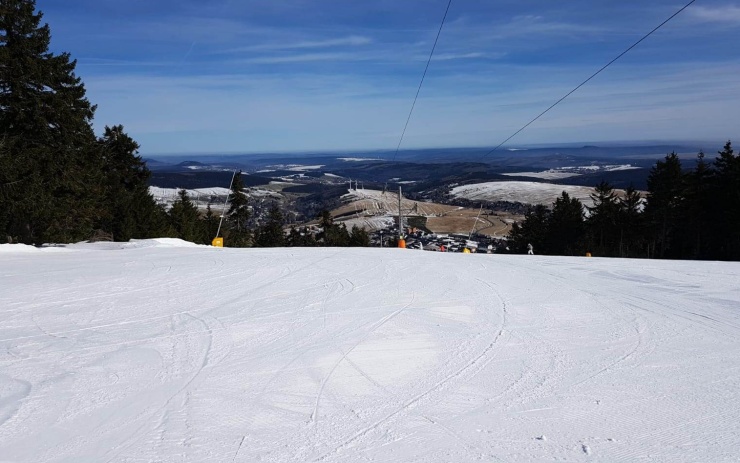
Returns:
(158,351)
(523,192)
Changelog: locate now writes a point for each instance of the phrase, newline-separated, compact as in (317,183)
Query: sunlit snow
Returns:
(523,192)
(161,350)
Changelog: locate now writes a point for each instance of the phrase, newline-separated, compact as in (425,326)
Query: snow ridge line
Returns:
(413,401)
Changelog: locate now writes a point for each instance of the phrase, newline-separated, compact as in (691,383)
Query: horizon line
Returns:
(693,144)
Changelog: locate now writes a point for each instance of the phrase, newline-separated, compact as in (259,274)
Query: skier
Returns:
(530,249)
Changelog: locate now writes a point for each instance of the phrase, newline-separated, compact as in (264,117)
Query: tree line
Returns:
(238,230)
(58,181)
(61,183)
(687,213)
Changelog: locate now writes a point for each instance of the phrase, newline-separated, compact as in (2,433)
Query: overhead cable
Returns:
(422,79)
(591,77)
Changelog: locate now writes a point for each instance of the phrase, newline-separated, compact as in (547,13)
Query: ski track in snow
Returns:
(479,359)
(381,322)
(162,353)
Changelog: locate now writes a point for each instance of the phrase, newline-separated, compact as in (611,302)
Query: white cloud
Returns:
(723,14)
(299,112)
(292,43)
(352,40)
(465,29)
(454,56)
(302,58)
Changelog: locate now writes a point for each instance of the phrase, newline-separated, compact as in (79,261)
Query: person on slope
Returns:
(530,249)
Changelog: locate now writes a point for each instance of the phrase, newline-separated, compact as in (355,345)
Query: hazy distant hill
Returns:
(315,181)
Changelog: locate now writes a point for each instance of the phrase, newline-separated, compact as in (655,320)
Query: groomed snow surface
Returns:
(159,351)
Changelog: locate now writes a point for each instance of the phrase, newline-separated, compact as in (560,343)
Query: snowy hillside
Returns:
(525,192)
(377,209)
(571,171)
(162,351)
(202,197)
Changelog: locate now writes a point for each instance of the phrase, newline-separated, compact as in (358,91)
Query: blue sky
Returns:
(247,76)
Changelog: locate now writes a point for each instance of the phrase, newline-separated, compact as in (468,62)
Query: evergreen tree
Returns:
(665,188)
(326,222)
(695,213)
(566,226)
(7,187)
(325,219)
(186,220)
(301,237)
(630,223)
(131,212)
(603,219)
(337,236)
(332,234)
(271,234)
(533,230)
(237,232)
(726,162)
(210,223)
(52,185)
(358,237)
(726,179)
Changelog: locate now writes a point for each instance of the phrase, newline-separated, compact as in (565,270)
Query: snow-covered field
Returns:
(386,202)
(523,192)
(574,171)
(369,223)
(551,174)
(159,192)
(159,351)
(215,196)
(201,197)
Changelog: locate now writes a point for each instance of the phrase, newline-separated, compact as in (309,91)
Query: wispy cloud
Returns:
(262,74)
(539,25)
(293,112)
(455,56)
(303,58)
(722,14)
(123,63)
(529,26)
(349,41)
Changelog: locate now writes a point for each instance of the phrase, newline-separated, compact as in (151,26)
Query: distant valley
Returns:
(502,182)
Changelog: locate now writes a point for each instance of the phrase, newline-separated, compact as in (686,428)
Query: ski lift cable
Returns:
(591,77)
(472,230)
(418,90)
(226,201)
